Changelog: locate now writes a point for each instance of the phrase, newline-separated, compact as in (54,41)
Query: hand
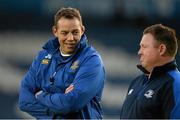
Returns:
(38,93)
(69,89)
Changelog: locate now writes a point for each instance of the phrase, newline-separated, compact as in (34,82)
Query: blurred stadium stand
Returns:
(114,27)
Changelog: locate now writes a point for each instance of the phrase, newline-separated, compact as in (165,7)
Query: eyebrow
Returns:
(68,30)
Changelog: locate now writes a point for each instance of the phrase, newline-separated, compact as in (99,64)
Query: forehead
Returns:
(148,39)
(66,22)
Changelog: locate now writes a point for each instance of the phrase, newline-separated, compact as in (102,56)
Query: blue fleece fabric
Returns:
(53,74)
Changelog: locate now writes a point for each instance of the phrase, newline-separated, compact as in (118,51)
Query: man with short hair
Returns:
(156,93)
(66,79)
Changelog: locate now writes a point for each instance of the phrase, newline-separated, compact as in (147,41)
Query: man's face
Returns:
(68,32)
(149,52)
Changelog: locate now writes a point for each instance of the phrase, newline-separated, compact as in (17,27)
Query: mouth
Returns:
(70,45)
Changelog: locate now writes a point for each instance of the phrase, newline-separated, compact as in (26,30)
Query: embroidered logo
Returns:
(130,91)
(149,94)
(46,59)
(48,56)
(75,65)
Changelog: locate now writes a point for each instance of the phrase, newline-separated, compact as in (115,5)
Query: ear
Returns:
(54,30)
(162,49)
(82,29)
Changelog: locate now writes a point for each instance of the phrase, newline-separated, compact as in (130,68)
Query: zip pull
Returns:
(52,80)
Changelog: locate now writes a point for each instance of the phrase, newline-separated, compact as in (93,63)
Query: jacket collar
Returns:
(160,69)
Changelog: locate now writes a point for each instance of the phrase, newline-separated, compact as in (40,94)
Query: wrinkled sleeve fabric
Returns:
(89,79)
(27,101)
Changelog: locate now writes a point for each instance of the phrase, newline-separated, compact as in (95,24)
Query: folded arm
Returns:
(89,79)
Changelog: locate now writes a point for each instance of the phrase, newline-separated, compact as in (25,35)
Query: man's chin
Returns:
(143,65)
(70,51)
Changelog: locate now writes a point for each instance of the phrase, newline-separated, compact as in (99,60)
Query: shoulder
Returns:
(39,58)
(137,80)
(175,77)
(91,51)
(91,54)
(175,74)
(41,55)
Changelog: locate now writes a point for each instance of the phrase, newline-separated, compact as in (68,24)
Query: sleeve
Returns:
(27,101)
(89,79)
(171,101)
(175,112)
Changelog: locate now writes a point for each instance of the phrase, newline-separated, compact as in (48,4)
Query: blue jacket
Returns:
(53,73)
(157,97)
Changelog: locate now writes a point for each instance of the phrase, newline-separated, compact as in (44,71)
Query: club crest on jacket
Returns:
(75,65)
(149,94)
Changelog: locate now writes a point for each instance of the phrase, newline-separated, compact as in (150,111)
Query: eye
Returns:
(143,46)
(64,33)
(75,32)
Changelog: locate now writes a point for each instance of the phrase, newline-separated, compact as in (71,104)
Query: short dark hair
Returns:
(164,35)
(69,13)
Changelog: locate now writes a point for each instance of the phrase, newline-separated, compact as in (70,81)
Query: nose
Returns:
(70,36)
(140,52)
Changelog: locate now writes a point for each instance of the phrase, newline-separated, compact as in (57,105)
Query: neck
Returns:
(64,54)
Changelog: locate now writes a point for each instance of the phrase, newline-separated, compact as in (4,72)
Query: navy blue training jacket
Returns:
(53,73)
(155,98)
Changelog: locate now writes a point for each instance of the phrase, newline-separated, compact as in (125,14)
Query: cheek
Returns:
(77,38)
(61,40)
(151,56)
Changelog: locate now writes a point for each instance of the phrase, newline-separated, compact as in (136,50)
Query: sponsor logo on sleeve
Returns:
(130,91)
(46,59)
